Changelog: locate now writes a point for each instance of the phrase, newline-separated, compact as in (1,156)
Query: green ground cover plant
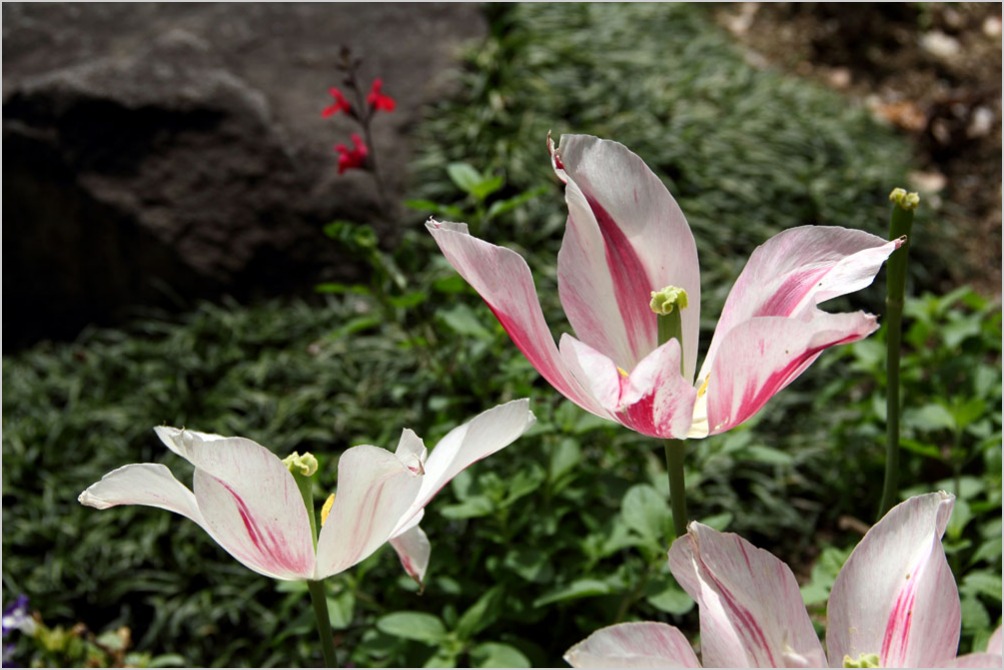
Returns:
(566,530)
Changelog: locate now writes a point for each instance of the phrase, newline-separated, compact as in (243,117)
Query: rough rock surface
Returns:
(156,153)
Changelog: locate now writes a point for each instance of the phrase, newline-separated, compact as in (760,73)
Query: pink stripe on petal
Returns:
(625,238)
(760,357)
(239,482)
(413,549)
(503,280)
(266,538)
(657,400)
(796,270)
(751,610)
(896,595)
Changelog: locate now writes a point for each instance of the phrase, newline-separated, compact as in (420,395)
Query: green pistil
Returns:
(904,199)
(305,465)
(303,468)
(668,304)
(864,661)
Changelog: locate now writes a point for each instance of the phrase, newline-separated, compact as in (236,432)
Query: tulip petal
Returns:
(625,237)
(179,440)
(751,610)
(252,506)
(413,548)
(975,661)
(466,444)
(896,596)
(654,399)
(995,644)
(411,451)
(503,280)
(796,270)
(595,371)
(634,645)
(375,491)
(760,357)
(150,484)
(659,401)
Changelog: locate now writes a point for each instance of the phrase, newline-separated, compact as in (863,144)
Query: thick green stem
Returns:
(320,603)
(900,223)
(303,469)
(677,486)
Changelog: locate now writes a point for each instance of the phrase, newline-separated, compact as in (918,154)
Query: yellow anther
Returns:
(326,508)
(623,372)
(704,387)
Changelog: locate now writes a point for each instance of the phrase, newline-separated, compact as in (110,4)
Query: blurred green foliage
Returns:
(566,530)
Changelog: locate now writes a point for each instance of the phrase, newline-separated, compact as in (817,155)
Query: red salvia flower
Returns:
(378,100)
(352,158)
(339,105)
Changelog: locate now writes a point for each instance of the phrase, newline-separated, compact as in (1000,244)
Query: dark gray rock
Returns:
(158,153)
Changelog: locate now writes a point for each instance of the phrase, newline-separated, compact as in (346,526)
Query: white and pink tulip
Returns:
(894,604)
(246,498)
(626,238)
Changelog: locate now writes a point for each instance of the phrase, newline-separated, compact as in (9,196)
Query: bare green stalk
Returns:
(675,450)
(900,223)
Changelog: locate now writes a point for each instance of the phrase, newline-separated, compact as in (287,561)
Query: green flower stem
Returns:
(675,450)
(667,304)
(900,223)
(303,469)
(320,603)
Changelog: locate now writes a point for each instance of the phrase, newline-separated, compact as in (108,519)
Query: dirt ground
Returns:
(931,70)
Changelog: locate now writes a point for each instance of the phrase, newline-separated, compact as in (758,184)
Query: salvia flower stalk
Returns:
(894,604)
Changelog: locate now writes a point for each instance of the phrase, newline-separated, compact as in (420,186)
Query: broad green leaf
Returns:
(974,614)
(982,583)
(988,551)
(502,206)
(481,614)
(671,598)
(451,212)
(498,655)
(564,457)
(486,187)
(473,507)
(530,563)
(462,320)
(464,176)
(930,417)
(341,609)
(769,455)
(646,512)
(580,588)
(417,626)
(718,521)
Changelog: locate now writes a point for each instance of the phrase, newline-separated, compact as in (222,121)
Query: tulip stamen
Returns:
(326,508)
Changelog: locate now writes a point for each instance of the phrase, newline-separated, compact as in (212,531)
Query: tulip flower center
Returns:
(305,465)
(864,661)
(667,304)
